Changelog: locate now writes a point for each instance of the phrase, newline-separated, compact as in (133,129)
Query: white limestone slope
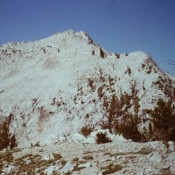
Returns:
(45,84)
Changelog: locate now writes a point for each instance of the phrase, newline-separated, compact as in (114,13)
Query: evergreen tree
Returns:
(163,118)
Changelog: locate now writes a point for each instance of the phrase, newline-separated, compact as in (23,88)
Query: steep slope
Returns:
(52,87)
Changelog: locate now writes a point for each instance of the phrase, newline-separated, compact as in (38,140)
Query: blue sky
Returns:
(119,26)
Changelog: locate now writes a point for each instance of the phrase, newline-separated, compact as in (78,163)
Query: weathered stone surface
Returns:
(68,167)
(171,146)
(155,157)
(85,165)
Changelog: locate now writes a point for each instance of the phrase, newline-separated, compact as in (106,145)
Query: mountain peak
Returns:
(62,80)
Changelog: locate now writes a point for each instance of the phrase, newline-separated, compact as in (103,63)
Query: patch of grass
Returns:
(63,162)
(131,157)
(88,152)
(57,156)
(165,172)
(8,157)
(75,159)
(144,151)
(76,168)
(1,166)
(48,162)
(88,157)
(36,156)
(15,150)
(111,169)
(68,173)
(24,157)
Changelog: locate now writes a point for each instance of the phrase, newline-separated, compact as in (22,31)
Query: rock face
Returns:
(52,87)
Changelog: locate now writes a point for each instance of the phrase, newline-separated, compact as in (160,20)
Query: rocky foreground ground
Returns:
(70,157)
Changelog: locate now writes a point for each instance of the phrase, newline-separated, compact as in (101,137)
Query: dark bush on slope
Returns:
(128,128)
(102,138)
(86,130)
(6,140)
(163,120)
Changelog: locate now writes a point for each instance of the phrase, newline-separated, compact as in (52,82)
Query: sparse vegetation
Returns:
(166,85)
(118,118)
(88,157)
(144,151)
(63,162)
(57,156)
(75,159)
(111,169)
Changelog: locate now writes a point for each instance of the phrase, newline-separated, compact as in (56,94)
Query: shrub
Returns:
(143,65)
(117,55)
(102,53)
(91,83)
(163,119)
(5,136)
(86,130)
(128,128)
(13,142)
(100,92)
(129,71)
(102,138)
(88,157)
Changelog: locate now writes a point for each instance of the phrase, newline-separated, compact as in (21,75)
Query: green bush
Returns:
(102,138)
